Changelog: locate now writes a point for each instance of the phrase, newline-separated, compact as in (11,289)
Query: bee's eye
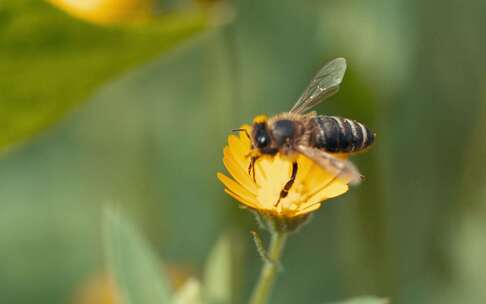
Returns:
(262,138)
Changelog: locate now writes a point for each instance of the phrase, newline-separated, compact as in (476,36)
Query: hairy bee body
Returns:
(329,133)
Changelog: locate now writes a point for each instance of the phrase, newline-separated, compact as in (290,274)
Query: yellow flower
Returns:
(107,11)
(313,184)
(101,288)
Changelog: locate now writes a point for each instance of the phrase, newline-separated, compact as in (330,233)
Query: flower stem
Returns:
(269,270)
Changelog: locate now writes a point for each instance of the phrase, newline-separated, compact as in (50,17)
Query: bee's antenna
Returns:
(242,130)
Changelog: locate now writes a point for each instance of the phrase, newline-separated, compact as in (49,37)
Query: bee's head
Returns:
(260,134)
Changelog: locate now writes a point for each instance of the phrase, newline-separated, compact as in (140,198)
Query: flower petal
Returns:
(334,189)
(305,165)
(236,188)
(317,178)
(244,201)
(238,147)
(308,209)
(239,175)
(237,151)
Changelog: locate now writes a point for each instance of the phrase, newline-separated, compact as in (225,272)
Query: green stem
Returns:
(269,271)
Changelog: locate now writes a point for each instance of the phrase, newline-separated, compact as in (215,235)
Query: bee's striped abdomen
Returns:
(336,134)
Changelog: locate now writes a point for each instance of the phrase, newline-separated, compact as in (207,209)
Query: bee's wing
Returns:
(339,167)
(325,83)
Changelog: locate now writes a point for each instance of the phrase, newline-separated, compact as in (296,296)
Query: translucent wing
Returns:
(325,83)
(339,167)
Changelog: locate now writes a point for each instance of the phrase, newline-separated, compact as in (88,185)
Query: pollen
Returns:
(313,184)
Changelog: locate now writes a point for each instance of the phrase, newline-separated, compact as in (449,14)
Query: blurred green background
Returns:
(148,111)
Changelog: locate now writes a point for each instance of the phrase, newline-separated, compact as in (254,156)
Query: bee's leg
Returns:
(253,155)
(288,185)
(251,167)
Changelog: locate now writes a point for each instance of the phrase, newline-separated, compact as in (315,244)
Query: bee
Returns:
(324,139)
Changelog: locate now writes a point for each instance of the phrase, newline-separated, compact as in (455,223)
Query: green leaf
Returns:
(218,274)
(189,293)
(365,300)
(51,62)
(136,270)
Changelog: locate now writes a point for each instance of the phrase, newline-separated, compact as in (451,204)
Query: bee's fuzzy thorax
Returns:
(290,116)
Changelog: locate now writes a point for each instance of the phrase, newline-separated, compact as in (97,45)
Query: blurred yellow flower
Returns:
(99,289)
(102,289)
(107,11)
(313,184)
